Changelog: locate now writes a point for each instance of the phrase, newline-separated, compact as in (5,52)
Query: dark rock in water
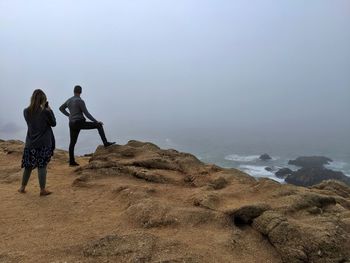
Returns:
(269,169)
(265,157)
(310,161)
(312,176)
(282,173)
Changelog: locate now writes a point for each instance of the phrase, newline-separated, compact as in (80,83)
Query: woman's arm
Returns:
(50,117)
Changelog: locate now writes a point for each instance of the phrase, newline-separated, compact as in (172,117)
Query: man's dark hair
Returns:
(77,89)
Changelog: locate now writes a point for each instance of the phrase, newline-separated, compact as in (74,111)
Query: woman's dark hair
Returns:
(37,100)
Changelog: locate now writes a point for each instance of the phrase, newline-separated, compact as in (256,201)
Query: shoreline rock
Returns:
(283,173)
(312,176)
(265,157)
(310,161)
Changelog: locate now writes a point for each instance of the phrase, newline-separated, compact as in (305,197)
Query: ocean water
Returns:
(252,165)
(244,154)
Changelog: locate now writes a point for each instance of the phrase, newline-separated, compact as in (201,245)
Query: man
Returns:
(77,122)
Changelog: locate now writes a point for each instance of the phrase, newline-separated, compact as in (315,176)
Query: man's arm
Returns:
(63,109)
(86,112)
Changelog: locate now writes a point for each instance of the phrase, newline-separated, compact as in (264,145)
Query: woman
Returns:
(40,141)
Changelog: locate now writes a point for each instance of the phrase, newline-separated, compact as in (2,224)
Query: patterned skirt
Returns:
(36,157)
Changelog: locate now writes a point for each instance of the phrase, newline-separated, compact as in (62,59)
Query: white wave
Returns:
(242,158)
(259,171)
(246,158)
(337,165)
(255,170)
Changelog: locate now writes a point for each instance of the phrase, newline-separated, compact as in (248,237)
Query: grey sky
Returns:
(171,69)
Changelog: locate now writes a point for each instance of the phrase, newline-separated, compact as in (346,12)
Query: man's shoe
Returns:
(109,144)
(73,164)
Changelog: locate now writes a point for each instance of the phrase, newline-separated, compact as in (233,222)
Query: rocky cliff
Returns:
(139,203)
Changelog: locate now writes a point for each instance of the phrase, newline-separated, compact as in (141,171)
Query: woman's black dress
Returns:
(40,140)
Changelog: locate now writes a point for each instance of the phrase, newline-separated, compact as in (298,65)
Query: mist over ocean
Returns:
(224,80)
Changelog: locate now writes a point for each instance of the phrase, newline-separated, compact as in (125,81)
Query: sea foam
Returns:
(259,171)
(242,158)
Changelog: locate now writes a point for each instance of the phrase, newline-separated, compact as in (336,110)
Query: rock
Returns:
(312,176)
(219,183)
(336,187)
(283,173)
(310,161)
(209,201)
(149,214)
(12,147)
(283,236)
(148,162)
(298,243)
(307,201)
(269,169)
(265,157)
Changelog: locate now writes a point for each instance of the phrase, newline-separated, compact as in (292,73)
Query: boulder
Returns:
(299,243)
(283,173)
(310,161)
(269,169)
(335,187)
(150,214)
(312,176)
(218,183)
(265,157)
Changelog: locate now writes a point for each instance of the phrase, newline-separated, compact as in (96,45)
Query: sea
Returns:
(251,164)
(244,155)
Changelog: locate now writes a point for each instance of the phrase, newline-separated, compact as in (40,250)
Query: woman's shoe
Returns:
(45,192)
(22,190)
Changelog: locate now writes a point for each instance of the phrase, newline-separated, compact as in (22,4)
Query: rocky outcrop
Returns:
(265,157)
(148,162)
(312,176)
(283,173)
(139,203)
(313,171)
(300,224)
(311,161)
(335,187)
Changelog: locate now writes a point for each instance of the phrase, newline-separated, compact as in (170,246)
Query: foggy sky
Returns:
(220,70)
